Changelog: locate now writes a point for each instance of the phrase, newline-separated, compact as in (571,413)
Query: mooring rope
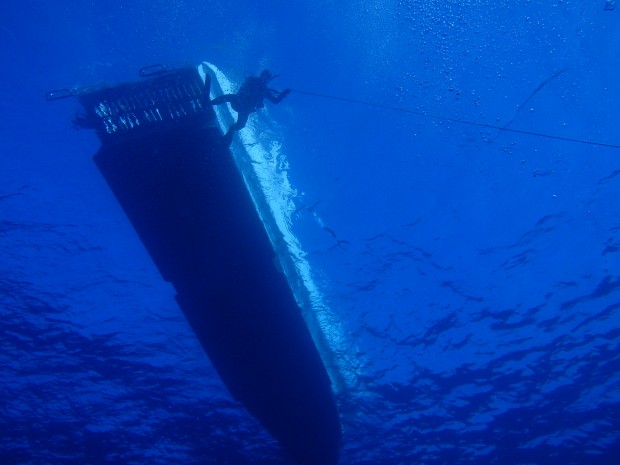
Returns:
(458,120)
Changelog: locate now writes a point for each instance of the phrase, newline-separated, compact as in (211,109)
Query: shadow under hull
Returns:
(162,157)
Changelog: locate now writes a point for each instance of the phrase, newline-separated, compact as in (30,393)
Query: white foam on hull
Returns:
(264,169)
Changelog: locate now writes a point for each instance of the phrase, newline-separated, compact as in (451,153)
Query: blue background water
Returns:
(476,271)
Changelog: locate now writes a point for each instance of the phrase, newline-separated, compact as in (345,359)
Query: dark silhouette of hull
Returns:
(163,159)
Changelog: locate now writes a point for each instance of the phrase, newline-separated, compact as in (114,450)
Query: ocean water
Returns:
(470,273)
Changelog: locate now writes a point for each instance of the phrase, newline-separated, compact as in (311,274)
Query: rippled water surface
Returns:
(470,272)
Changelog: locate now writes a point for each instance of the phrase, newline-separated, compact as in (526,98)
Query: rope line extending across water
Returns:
(458,120)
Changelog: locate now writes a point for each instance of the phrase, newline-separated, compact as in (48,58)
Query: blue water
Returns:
(475,272)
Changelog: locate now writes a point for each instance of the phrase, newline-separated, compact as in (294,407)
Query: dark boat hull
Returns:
(188,203)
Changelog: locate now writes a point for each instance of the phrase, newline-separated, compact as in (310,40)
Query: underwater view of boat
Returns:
(162,156)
